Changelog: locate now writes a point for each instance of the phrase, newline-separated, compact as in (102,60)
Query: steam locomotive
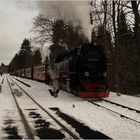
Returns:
(82,71)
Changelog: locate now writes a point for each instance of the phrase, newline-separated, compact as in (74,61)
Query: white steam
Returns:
(76,12)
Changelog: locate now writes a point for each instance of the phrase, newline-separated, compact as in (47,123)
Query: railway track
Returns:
(28,129)
(129,108)
(84,131)
(1,83)
(132,114)
(3,80)
(35,113)
(121,110)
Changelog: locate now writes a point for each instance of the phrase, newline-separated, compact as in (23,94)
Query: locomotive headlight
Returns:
(105,74)
(87,73)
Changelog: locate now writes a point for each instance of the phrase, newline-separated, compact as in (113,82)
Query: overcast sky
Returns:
(16,18)
(15,24)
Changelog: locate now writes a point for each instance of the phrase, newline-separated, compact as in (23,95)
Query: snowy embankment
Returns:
(95,117)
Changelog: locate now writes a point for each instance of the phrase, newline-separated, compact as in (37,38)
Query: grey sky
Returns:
(15,24)
(16,18)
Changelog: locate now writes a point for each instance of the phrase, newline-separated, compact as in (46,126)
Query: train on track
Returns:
(82,71)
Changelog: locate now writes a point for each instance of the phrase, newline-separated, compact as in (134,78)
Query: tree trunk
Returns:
(117,79)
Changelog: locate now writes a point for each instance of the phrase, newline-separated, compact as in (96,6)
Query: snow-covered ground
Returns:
(95,117)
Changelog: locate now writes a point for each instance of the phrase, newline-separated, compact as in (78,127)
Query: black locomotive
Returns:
(83,71)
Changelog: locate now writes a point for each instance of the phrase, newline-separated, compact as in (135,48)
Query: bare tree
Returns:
(43,29)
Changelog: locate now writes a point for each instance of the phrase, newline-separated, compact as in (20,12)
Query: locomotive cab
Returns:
(83,71)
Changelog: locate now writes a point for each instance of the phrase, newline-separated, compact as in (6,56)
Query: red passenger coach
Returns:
(39,73)
(28,73)
(22,72)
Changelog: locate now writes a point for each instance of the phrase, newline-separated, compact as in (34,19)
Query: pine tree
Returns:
(25,55)
(57,39)
(65,37)
(37,57)
(14,64)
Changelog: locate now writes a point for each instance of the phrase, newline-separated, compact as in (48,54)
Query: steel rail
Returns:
(112,110)
(123,116)
(3,80)
(56,120)
(138,111)
(27,127)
